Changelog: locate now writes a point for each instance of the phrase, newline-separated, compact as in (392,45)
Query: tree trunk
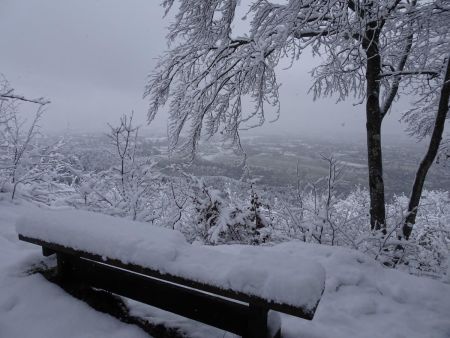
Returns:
(14,191)
(430,155)
(373,126)
(376,183)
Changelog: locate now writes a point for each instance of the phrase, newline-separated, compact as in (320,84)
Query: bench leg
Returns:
(64,267)
(274,324)
(262,323)
(47,252)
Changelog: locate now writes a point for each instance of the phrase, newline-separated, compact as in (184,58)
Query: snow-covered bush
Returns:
(219,219)
(220,210)
(428,249)
(345,221)
(129,188)
(30,167)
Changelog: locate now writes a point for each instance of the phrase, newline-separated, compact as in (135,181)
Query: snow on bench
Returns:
(256,271)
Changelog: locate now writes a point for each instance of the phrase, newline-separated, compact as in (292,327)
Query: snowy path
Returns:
(362,299)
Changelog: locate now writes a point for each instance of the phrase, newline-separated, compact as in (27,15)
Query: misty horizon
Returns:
(91,60)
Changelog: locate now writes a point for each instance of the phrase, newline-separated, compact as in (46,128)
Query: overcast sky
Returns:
(91,59)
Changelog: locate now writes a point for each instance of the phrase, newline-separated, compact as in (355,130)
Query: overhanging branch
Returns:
(11,96)
(410,73)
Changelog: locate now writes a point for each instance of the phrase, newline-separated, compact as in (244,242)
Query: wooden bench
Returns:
(239,312)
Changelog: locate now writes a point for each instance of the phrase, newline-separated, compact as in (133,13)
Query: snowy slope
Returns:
(31,307)
(361,299)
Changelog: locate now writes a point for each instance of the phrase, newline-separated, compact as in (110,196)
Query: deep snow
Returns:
(32,307)
(362,298)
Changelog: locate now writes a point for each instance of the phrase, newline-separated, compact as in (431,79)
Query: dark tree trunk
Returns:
(430,155)
(375,164)
(373,126)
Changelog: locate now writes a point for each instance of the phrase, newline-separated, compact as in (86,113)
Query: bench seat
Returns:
(120,256)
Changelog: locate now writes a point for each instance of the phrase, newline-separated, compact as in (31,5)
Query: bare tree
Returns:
(133,183)
(19,157)
(123,139)
(18,147)
(373,50)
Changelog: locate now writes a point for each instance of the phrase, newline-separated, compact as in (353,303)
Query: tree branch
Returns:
(9,95)
(431,73)
(396,83)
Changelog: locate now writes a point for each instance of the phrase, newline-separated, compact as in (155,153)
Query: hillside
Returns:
(362,298)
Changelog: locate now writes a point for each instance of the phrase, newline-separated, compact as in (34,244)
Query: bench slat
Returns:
(221,313)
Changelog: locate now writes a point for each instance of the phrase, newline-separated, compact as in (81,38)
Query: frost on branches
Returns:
(129,187)
(221,220)
(425,254)
(371,50)
(29,166)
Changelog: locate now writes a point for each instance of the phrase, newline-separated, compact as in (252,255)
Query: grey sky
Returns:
(91,58)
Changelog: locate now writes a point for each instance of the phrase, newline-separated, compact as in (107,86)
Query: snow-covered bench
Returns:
(232,288)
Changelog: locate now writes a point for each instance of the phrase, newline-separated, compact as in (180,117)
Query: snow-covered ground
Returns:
(361,299)
(32,307)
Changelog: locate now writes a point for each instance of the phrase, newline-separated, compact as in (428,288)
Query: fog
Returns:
(91,59)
